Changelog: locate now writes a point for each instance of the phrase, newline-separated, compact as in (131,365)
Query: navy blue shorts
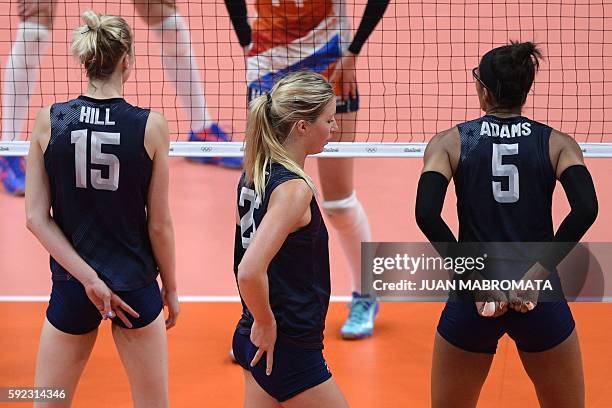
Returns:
(294,369)
(541,329)
(71,311)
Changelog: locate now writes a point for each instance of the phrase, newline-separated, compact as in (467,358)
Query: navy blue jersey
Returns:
(298,275)
(99,172)
(505,181)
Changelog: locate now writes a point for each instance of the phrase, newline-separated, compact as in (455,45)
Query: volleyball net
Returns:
(414,73)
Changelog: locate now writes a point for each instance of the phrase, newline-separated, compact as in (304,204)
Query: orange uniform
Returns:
(290,35)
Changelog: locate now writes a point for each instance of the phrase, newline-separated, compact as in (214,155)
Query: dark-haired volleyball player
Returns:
(100,166)
(505,167)
(291,35)
(281,257)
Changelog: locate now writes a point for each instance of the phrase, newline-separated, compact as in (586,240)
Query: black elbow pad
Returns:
(430,196)
(580,190)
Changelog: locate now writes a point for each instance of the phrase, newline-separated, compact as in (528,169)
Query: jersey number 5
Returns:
(79,139)
(505,170)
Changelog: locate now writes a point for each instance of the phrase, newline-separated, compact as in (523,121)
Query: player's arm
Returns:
(568,163)
(159,220)
(577,183)
(373,13)
(287,208)
(440,161)
(40,222)
(237,10)
(433,183)
(346,69)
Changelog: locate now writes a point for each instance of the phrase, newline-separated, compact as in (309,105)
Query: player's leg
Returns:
(325,395)
(348,218)
(457,375)
(143,349)
(557,374)
(66,340)
(144,355)
(21,74)
(464,346)
(181,68)
(61,360)
(300,377)
(255,396)
(548,346)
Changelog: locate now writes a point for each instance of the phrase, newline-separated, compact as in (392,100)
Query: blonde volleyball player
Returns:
(22,68)
(281,256)
(97,200)
(292,35)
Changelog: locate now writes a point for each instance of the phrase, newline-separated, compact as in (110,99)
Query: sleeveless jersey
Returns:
(298,275)
(505,181)
(99,173)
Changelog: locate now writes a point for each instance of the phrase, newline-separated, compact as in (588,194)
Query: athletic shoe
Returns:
(360,323)
(214,134)
(12,174)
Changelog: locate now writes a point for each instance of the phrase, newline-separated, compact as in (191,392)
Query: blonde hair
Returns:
(101,43)
(299,96)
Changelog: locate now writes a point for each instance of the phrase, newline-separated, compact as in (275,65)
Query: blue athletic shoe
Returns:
(360,323)
(12,174)
(214,134)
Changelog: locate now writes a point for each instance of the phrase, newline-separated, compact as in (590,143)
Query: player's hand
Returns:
(345,74)
(119,307)
(171,301)
(100,295)
(524,301)
(264,337)
(491,303)
(107,302)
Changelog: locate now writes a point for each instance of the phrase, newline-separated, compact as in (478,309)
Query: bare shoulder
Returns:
(447,139)
(157,123)
(156,133)
(292,193)
(443,152)
(43,118)
(564,152)
(41,132)
(561,141)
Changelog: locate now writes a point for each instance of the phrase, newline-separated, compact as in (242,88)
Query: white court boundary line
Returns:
(186,299)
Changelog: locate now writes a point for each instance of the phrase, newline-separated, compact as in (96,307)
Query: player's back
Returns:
(504,181)
(99,173)
(298,275)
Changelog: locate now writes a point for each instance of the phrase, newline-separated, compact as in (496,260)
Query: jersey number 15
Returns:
(79,139)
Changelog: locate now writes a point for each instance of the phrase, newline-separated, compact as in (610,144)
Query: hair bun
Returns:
(91,19)
(526,52)
(526,49)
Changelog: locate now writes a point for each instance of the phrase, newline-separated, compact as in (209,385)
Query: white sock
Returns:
(349,219)
(182,69)
(21,76)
